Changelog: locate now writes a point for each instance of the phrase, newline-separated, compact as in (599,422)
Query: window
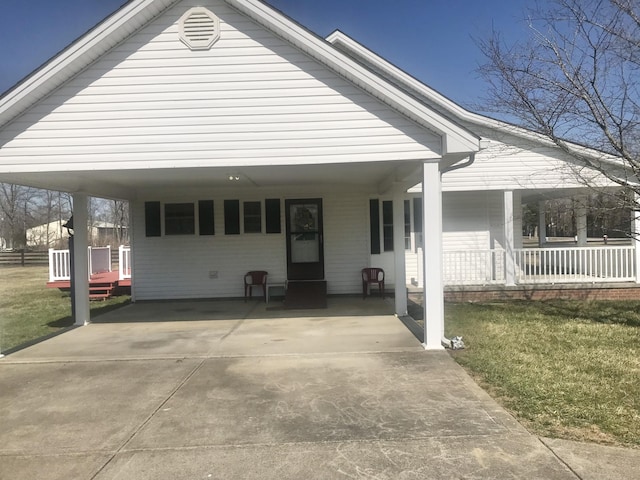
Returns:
(272,215)
(407,225)
(374,221)
(252,217)
(152,223)
(387,225)
(232,217)
(205,217)
(179,219)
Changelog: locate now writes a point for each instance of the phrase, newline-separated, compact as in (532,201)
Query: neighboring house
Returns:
(244,142)
(55,235)
(48,235)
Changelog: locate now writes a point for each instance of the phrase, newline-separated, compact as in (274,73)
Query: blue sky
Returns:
(430,39)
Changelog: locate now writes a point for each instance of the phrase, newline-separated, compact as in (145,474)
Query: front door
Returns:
(305,255)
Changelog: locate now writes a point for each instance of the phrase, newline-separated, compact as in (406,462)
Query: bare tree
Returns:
(576,80)
(15,203)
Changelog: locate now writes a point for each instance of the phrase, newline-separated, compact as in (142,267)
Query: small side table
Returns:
(277,285)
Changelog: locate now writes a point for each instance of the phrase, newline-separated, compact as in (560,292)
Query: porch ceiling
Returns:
(127,184)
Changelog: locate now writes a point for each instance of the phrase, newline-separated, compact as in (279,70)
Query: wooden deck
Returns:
(101,285)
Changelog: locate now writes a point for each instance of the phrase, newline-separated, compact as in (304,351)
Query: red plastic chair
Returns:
(371,276)
(254,279)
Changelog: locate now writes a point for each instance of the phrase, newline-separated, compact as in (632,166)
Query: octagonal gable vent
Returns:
(199,29)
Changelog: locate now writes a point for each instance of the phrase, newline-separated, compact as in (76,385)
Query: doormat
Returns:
(306,294)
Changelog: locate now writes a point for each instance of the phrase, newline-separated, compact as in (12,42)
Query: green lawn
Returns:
(29,310)
(565,369)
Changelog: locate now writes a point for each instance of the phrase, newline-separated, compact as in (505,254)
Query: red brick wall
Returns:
(596,292)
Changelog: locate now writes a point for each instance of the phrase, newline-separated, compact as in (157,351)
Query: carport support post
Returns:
(81,258)
(398,252)
(432,234)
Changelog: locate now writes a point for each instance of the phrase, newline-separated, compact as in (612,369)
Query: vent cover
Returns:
(199,29)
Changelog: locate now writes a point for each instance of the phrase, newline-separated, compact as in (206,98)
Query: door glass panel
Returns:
(304,218)
(305,238)
(305,247)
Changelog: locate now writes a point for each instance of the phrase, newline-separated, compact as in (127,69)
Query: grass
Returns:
(565,369)
(30,310)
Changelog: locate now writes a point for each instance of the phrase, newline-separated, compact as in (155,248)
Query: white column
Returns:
(635,232)
(517,219)
(132,236)
(432,238)
(398,253)
(509,240)
(542,223)
(81,257)
(581,220)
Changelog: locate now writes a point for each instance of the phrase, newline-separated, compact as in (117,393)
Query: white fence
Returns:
(542,265)
(99,262)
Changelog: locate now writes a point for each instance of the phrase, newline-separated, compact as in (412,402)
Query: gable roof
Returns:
(458,141)
(427,95)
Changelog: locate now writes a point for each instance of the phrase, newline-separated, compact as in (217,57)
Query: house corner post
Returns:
(81,258)
(509,238)
(433,286)
(398,253)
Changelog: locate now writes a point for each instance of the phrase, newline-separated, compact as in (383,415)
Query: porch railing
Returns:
(474,267)
(599,264)
(576,265)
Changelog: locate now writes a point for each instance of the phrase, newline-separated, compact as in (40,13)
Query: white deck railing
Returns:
(599,264)
(124,262)
(474,267)
(59,265)
(576,265)
(99,262)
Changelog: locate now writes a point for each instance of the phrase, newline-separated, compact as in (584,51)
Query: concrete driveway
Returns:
(228,390)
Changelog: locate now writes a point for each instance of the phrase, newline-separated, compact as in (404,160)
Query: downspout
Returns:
(446,342)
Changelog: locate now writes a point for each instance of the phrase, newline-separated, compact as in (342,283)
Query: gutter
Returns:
(456,166)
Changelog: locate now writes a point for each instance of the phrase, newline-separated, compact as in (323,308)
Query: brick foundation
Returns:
(622,291)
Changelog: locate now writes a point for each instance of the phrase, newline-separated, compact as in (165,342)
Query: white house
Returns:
(244,142)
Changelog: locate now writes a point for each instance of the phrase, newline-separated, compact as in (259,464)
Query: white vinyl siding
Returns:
(179,267)
(253,98)
(512,163)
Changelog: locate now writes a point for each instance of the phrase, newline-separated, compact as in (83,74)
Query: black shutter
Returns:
(272,213)
(374,221)
(152,224)
(232,217)
(205,217)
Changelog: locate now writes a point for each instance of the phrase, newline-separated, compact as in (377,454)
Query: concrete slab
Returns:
(288,399)
(150,330)
(52,467)
(597,462)
(62,408)
(490,458)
